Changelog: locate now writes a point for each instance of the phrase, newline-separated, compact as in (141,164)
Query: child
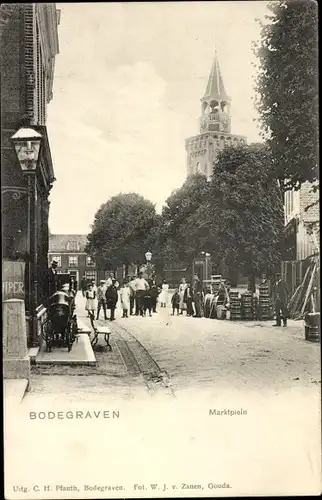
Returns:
(147,302)
(91,301)
(125,293)
(175,302)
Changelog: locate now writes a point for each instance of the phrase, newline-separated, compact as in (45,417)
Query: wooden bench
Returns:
(103,330)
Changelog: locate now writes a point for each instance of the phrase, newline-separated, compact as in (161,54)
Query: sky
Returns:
(127,87)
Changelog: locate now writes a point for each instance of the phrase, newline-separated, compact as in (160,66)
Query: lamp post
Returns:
(27,144)
(207,258)
(149,266)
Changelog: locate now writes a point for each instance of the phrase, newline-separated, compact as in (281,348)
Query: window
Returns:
(90,261)
(57,258)
(90,275)
(73,261)
(198,169)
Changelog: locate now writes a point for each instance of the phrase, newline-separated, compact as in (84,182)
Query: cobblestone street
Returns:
(172,354)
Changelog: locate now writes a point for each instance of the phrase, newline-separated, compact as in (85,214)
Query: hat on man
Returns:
(102,281)
(54,262)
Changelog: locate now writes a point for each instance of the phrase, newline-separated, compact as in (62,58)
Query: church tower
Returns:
(215,126)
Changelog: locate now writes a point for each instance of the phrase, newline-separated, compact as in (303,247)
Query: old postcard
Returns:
(160,257)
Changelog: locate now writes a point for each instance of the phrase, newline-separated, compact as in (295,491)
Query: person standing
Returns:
(91,301)
(154,295)
(280,300)
(52,281)
(147,302)
(222,296)
(182,289)
(101,299)
(197,296)
(164,294)
(141,287)
(111,298)
(175,301)
(188,299)
(83,286)
(132,287)
(125,294)
(109,281)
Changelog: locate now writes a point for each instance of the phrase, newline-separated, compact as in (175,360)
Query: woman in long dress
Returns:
(91,300)
(125,293)
(182,289)
(164,294)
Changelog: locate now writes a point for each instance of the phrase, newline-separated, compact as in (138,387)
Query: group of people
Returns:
(191,298)
(188,298)
(137,295)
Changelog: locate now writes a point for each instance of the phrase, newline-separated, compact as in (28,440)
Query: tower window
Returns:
(198,168)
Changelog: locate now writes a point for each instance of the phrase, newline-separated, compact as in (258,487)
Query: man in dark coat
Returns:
(51,279)
(83,285)
(280,300)
(111,298)
(197,296)
(154,295)
(188,299)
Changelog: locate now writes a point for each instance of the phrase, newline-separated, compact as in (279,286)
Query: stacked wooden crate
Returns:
(247,306)
(235,305)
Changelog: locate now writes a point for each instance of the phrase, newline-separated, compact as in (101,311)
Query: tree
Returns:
(181,230)
(287,88)
(120,230)
(246,214)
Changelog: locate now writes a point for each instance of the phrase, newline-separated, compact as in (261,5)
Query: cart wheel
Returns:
(74,329)
(48,335)
(69,340)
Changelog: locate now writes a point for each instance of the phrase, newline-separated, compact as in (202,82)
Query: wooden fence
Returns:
(293,272)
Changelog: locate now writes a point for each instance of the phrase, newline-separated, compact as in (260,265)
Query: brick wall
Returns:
(29,59)
(10,71)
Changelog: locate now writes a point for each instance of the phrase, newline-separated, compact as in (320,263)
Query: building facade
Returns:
(215,127)
(302,224)
(29,45)
(69,251)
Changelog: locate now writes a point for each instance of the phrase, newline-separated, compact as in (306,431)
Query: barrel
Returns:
(221,312)
(208,300)
(312,333)
(312,327)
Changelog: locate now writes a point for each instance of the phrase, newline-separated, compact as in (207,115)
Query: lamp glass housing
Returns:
(27,143)
(148,256)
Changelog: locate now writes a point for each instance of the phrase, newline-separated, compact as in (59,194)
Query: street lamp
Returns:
(149,266)
(148,256)
(27,144)
(207,256)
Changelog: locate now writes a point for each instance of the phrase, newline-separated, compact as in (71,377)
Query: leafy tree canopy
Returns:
(287,88)
(237,217)
(178,235)
(120,230)
(246,215)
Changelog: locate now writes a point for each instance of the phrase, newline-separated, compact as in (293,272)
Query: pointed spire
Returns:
(215,87)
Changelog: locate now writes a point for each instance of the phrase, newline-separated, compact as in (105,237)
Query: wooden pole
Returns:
(308,290)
